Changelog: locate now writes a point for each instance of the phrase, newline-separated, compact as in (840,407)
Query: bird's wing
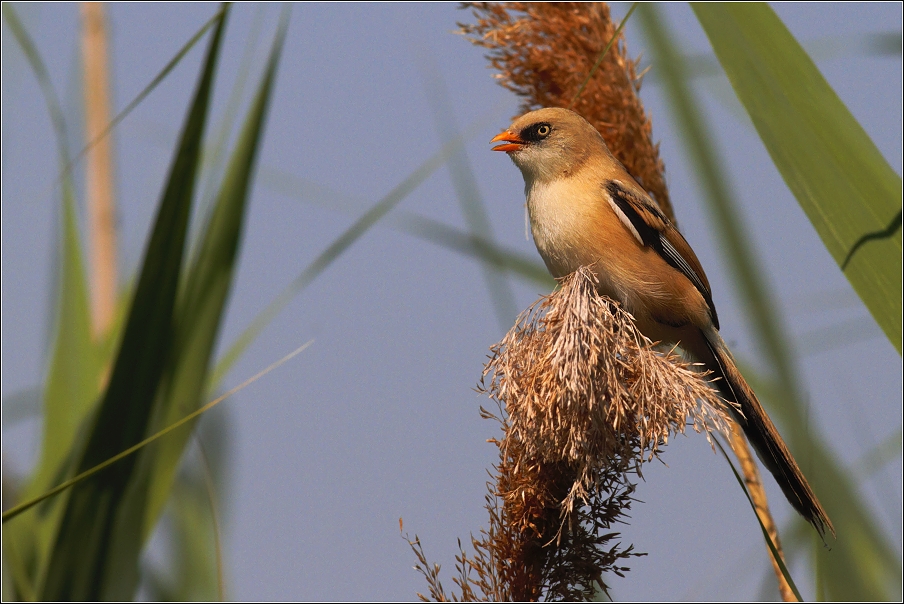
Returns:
(653,229)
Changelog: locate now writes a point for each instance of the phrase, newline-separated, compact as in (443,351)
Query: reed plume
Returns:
(584,398)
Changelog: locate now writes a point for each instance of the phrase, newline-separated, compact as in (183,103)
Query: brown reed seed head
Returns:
(584,398)
(587,399)
(581,385)
(544,52)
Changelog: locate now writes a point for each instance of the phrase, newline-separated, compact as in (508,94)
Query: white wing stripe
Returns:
(624,218)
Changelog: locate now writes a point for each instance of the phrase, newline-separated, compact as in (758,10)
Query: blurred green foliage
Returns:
(85,544)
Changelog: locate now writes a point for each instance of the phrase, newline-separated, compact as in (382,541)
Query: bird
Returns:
(586,210)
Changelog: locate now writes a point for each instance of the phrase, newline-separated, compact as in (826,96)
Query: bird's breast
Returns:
(561,218)
(573,226)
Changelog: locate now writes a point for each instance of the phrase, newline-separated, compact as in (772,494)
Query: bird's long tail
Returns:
(764,437)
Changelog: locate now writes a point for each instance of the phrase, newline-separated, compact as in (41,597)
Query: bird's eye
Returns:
(536,132)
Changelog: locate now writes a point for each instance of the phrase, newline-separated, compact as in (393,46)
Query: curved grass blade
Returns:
(161,75)
(190,572)
(192,567)
(212,498)
(428,229)
(468,244)
(40,70)
(602,56)
(847,189)
(95,553)
(775,554)
(71,383)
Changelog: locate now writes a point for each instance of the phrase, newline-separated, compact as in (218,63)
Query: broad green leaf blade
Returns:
(71,389)
(751,284)
(204,292)
(847,189)
(72,383)
(96,550)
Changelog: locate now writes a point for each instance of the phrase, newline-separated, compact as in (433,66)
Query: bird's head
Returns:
(550,143)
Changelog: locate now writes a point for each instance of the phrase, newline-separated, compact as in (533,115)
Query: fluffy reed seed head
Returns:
(543,52)
(584,398)
(587,398)
(580,383)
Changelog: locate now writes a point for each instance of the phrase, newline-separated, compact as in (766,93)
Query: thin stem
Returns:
(761,505)
(16,510)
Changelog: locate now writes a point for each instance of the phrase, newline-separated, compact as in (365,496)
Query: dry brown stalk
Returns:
(99,169)
(758,496)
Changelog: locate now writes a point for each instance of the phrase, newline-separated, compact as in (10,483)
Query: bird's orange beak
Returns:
(515,141)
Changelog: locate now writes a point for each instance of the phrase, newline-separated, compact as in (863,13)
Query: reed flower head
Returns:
(584,398)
